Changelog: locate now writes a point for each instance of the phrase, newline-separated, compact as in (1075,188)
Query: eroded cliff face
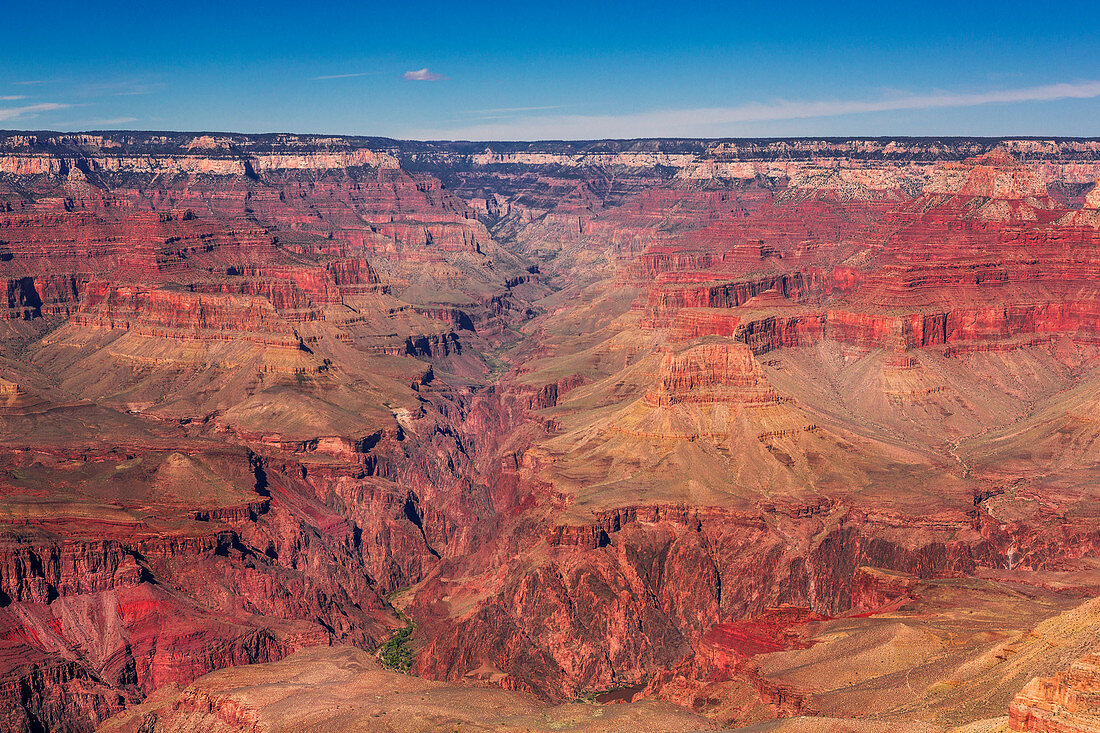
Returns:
(1064,702)
(669,415)
(740,368)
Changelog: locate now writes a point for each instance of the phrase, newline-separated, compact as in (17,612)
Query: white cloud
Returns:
(345,76)
(714,121)
(30,110)
(12,97)
(423,75)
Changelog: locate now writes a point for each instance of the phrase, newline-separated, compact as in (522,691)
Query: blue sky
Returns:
(521,70)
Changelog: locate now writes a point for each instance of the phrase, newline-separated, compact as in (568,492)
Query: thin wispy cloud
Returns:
(120,88)
(723,120)
(12,97)
(345,76)
(29,82)
(92,124)
(506,110)
(30,110)
(423,75)
(138,92)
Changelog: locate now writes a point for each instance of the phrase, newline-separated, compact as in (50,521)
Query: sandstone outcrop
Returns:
(711,373)
(1066,703)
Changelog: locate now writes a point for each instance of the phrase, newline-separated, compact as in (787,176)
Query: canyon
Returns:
(326,432)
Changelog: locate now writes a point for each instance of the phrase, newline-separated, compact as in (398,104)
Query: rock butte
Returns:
(786,433)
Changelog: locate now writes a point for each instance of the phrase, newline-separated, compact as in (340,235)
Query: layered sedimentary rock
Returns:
(1069,701)
(208,289)
(711,373)
(736,425)
(834,302)
(985,227)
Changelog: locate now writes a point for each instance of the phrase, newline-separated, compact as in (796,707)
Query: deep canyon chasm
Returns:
(612,435)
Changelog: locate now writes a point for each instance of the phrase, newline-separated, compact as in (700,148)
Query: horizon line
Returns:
(648,138)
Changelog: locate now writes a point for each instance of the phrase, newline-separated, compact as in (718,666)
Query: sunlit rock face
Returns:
(1066,701)
(737,430)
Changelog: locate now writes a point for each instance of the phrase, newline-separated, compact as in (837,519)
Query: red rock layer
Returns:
(404,477)
(711,373)
(984,254)
(1068,702)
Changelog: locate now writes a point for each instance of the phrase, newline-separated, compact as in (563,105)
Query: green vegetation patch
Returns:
(396,653)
